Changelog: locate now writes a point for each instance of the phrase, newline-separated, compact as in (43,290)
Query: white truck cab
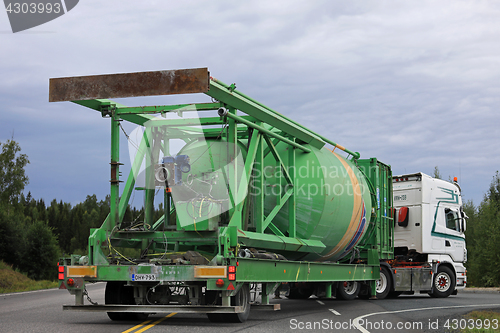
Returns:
(429,230)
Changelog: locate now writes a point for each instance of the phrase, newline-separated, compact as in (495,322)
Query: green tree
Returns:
(436,173)
(13,178)
(12,237)
(42,252)
(483,239)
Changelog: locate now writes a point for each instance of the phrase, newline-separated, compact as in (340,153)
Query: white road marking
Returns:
(41,290)
(28,292)
(334,312)
(320,302)
(362,329)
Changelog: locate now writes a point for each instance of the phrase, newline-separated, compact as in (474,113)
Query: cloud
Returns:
(413,84)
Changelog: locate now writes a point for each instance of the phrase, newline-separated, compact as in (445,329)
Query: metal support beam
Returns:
(156,308)
(278,242)
(180,81)
(268,132)
(168,108)
(292,216)
(115,172)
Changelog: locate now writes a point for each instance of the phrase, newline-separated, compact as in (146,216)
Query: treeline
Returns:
(33,235)
(483,238)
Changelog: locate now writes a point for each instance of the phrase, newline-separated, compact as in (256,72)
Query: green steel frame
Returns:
(263,128)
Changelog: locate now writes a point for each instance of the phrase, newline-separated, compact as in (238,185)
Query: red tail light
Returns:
(60,269)
(219,283)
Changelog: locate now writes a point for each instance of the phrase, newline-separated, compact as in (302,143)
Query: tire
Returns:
(384,284)
(118,293)
(242,298)
(348,290)
(443,283)
(365,291)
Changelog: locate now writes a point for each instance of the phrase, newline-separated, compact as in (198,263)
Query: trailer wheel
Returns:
(118,293)
(348,290)
(384,284)
(242,298)
(444,282)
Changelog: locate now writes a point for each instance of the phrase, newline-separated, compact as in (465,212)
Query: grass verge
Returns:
(481,322)
(12,281)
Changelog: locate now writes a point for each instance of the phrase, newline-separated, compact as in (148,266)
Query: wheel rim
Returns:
(442,282)
(381,283)
(350,287)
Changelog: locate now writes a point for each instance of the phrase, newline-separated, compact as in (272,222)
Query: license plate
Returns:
(144,277)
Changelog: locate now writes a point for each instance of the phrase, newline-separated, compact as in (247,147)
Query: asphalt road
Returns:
(41,311)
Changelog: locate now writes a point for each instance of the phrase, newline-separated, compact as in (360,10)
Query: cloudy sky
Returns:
(414,83)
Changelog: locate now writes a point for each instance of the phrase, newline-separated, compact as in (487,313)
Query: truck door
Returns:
(448,233)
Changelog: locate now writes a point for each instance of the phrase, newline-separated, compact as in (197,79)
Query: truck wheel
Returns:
(348,290)
(118,293)
(444,282)
(242,298)
(384,284)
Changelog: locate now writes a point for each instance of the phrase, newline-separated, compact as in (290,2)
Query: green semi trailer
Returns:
(250,198)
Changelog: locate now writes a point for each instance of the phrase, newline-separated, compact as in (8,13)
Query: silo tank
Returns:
(333,203)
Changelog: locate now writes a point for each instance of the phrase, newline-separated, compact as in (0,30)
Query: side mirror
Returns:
(403,217)
(464,218)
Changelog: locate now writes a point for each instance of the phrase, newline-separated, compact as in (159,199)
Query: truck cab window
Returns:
(451,219)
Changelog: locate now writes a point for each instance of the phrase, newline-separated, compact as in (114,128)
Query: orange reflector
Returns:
(82,271)
(232,269)
(210,271)
(61,276)
(232,277)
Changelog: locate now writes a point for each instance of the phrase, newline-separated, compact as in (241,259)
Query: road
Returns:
(41,311)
